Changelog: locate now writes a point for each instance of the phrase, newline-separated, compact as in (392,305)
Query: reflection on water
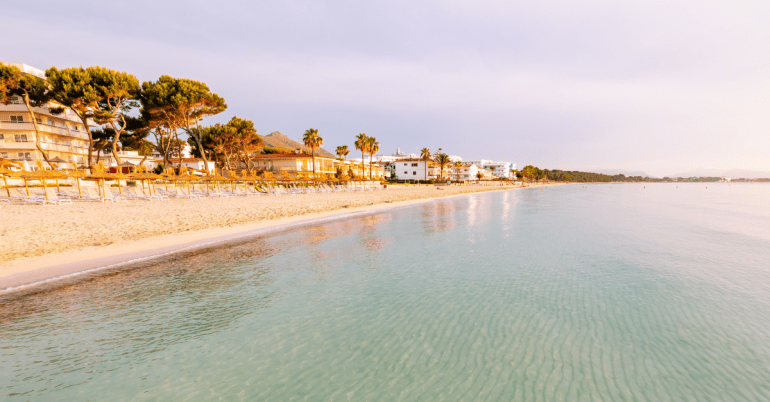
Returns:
(573,293)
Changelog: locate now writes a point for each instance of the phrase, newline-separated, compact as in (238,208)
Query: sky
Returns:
(654,86)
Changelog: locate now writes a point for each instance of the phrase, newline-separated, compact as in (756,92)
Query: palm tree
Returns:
(442,160)
(361,142)
(312,141)
(425,155)
(372,146)
(342,151)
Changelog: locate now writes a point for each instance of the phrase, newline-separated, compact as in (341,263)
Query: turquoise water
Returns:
(625,293)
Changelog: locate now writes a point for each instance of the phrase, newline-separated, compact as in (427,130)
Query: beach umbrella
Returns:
(144,177)
(56,175)
(57,160)
(6,172)
(99,174)
(245,176)
(214,178)
(192,178)
(77,175)
(40,175)
(4,165)
(232,177)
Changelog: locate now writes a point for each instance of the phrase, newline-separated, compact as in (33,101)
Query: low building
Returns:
(412,169)
(499,169)
(294,163)
(376,171)
(131,157)
(465,172)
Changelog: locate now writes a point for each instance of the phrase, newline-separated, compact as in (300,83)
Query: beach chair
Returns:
(55,199)
(182,193)
(130,194)
(160,197)
(252,192)
(18,196)
(93,195)
(74,196)
(109,196)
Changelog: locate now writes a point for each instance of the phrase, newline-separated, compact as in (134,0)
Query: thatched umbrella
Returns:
(267,177)
(41,175)
(168,175)
(233,178)
(57,160)
(4,164)
(99,174)
(6,172)
(77,175)
(145,177)
(214,178)
(128,164)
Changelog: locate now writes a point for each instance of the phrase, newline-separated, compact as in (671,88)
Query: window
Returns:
(17,119)
(2,137)
(15,100)
(39,120)
(414,173)
(63,125)
(50,122)
(20,137)
(25,155)
(405,164)
(414,164)
(406,172)
(3,155)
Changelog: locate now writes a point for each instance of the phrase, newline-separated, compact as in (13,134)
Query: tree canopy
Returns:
(74,89)
(31,89)
(312,140)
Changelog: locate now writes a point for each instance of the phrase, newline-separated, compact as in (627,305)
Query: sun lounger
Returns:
(130,194)
(160,197)
(92,195)
(18,196)
(55,199)
(182,193)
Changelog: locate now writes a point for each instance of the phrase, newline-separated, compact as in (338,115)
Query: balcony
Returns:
(8,145)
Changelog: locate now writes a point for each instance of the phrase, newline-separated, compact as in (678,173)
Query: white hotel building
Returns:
(499,169)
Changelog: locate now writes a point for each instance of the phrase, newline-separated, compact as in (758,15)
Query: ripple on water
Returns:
(521,295)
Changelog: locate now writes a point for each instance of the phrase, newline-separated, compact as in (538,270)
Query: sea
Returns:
(581,292)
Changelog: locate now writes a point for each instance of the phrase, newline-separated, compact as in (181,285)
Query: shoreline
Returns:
(29,272)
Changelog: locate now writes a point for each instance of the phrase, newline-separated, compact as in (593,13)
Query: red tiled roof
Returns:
(302,155)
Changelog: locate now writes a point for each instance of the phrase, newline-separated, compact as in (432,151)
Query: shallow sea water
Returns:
(597,292)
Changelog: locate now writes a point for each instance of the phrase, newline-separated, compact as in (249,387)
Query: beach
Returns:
(38,237)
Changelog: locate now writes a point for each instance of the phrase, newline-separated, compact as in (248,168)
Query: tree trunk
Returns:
(179,147)
(115,139)
(312,150)
(199,139)
(37,130)
(371,156)
(84,119)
